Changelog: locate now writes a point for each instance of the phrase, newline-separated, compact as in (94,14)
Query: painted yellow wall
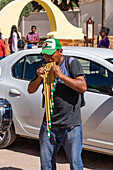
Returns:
(60,27)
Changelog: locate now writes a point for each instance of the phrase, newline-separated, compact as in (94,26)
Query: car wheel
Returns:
(7,138)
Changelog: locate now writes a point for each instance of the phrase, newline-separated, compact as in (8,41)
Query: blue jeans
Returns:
(71,140)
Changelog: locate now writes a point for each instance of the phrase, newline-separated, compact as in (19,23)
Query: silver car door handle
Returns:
(14,91)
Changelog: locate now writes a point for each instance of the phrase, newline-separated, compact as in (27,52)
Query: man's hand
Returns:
(40,72)
(57,71)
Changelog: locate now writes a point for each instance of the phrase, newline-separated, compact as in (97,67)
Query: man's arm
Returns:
(34,85)
(27,39)
(78,83)
(33,42)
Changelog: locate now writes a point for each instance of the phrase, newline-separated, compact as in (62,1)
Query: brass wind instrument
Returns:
(49,88)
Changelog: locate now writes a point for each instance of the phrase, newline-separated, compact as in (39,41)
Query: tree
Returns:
(64,5)
(25,12)
(36,6)
(3,3)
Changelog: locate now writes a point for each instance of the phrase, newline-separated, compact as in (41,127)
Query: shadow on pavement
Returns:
(97,161)
(10,168)
(26,146)
(91,160)
(31,147)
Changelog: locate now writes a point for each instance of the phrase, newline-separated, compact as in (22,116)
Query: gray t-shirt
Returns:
(66,111)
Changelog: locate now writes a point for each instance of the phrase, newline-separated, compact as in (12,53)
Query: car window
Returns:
(98,78)
(27,66)
(18,69)
(33,62)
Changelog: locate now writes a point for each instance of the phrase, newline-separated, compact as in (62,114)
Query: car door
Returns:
(97,114)
(27,108)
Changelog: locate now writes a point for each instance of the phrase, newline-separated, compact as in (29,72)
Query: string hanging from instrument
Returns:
(49,88)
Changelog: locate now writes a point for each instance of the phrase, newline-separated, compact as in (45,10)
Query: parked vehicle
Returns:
(19,68)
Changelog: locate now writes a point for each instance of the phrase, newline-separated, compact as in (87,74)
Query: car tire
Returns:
(7,138)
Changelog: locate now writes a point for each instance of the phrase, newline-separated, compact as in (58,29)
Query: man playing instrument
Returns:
(66,124)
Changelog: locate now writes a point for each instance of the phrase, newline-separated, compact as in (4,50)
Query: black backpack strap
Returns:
(68,69)
(67,63)
(67,58)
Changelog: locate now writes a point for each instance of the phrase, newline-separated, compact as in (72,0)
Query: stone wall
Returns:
(67,42)
(82,42)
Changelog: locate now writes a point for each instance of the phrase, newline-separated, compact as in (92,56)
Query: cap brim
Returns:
(48,51)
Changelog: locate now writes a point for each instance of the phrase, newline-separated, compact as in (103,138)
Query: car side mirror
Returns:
(110,91)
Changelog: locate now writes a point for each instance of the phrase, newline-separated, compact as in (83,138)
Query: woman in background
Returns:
(13,39)
(104,43)
(2,48)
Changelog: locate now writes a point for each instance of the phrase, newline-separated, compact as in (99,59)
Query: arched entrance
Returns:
(60,27)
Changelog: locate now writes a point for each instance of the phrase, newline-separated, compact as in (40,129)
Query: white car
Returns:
(97,115)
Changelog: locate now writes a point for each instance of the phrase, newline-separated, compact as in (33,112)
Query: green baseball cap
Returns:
(50,46)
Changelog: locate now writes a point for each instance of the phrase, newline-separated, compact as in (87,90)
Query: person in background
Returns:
(3,52)
(13,39)
(2,37)
(104,43)
(33,38)
(66,123)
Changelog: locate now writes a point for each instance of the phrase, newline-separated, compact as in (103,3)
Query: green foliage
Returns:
(32,6)
(27,10)
(65,6)
(36,6)
(74,4)
(3,3)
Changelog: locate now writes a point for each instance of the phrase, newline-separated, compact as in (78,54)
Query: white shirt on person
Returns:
(14,42)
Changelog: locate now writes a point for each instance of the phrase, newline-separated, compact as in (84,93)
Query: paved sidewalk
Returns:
(24,155)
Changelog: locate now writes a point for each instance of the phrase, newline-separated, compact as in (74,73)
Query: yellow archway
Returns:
(60,27)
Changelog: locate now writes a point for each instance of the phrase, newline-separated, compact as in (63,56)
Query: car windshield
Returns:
(110,60)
